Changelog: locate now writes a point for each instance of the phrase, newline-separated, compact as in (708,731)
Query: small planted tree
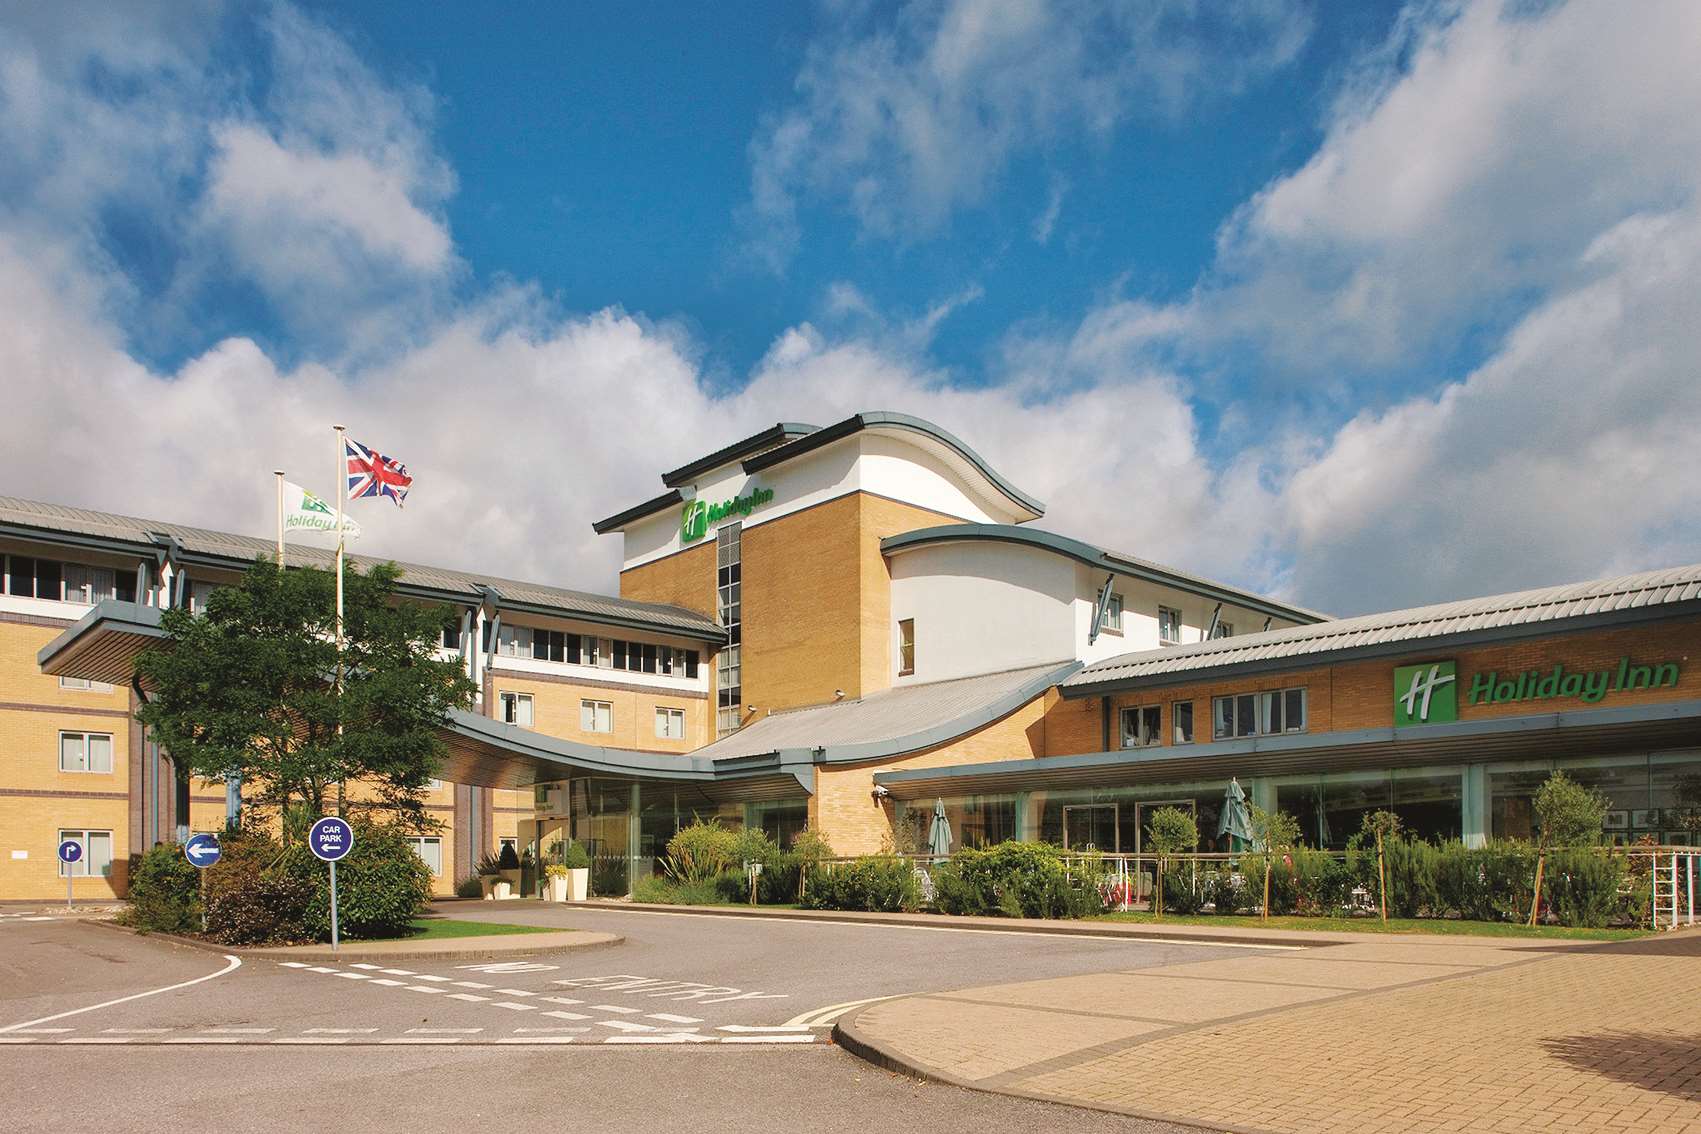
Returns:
(1570,815)
(1274,832)
(1173,831)
(1382,825)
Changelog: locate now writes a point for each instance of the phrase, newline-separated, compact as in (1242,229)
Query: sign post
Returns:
(202,851)
(70,851)
(330,839)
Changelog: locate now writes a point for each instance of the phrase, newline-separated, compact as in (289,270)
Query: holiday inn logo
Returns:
(1426,694)
(1429,693)
(697,515)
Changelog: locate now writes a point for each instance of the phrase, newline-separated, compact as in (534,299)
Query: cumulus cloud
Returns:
(901,120)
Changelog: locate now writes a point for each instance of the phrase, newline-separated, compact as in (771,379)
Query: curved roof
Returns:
(1098,558)
(1624,598)
(886,421)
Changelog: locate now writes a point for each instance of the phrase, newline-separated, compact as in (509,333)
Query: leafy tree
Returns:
(1383,825)
(1570,814)
(250,688)
(1172,832)
(1274,832)
(1689,803)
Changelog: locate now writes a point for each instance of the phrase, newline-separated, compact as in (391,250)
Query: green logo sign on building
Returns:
(696,516)
(1426,694)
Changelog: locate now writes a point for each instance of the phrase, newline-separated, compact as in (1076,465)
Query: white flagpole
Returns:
(279,473)
(342,489)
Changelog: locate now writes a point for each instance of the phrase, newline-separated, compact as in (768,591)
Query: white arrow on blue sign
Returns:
(202,850)
(70,850)
(330,838)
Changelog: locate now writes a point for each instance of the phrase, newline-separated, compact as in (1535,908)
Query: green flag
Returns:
(305,511)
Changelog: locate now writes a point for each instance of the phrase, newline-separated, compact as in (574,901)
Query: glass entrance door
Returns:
(1091,826)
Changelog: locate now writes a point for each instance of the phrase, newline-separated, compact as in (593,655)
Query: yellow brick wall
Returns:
(686,579)
(844,809)
(555,711)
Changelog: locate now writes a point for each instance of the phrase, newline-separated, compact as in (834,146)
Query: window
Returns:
(515,642)
(1258,714)
(670,724)
(1112,618)
(84,684)
(1223,630)
(430,852)
(434,785)
(517,709)
(549,645)
(596,716)
(88,584)
(906,646)
(1141,727)
(85,752)
(1181,718)
(729,594)
(97,854)
(1169,625)
(452,636)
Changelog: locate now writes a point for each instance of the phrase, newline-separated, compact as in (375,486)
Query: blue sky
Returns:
(1361,304)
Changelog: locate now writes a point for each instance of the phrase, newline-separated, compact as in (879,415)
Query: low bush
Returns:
(1018,880)
(1581,888)
(1323,882)
(165,892)
(382,885)
(469,887)
(1227,892)
(665,891)
(701,852)
(1185,888)
(1411,869)
(875,882)
(1284,888)
(576,857)
(249,902)
(1489,883)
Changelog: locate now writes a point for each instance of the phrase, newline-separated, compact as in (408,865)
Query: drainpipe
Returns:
(1104,723)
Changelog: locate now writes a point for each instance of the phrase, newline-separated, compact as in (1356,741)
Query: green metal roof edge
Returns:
(638,511)
(1098,557)
(856,423)
(773,435)
(130,617)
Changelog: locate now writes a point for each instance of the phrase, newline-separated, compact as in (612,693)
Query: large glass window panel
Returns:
(1511,797)
(1430,801)
(1181,717)
(1269,713)
(1245,715)
(1222,717)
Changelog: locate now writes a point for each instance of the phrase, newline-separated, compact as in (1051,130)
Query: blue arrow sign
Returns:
(202,850)
(70,850)
(330,838)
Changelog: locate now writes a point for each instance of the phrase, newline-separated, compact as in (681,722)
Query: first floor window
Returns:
(1181,717)
(1169,625)
(1140,726)
(596,716)
(430,852)
(1268,713)
(1223,630)
(97,854)
(1112,620)
(517,709)
(906,646)
(84,684)
(85,752)
(670,724)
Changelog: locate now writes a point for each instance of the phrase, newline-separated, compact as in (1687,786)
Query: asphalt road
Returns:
(694,1018)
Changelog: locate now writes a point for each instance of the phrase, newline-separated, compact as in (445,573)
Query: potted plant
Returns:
(489,871)
(557,877)
(577,864)
(508,872)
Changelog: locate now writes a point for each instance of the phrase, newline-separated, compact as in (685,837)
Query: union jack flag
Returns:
(371,473)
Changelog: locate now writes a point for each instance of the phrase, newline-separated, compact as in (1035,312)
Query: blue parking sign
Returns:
(330,838)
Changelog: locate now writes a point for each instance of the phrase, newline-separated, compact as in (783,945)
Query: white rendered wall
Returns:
(982,607)
(1140,602)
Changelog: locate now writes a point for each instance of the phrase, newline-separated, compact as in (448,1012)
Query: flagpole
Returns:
(342,489)
(279,473)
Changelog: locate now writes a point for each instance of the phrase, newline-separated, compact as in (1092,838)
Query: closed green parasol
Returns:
(1236,822)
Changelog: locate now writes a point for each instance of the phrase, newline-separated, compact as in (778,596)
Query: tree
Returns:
(1275,832)
(1383,825)
(249,689)
(1570,815)
(1172,832)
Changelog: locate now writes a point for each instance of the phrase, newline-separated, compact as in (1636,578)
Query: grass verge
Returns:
(441,928)
(1437,926)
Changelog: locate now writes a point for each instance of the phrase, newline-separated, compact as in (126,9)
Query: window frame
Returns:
(417,842)
(1109,625)
(1175,722)
(1176,611)
(906,647)
(510,700)
(669,715)
(1136,712)
(1253,703)
(80,868)
(87,769)
(593,705)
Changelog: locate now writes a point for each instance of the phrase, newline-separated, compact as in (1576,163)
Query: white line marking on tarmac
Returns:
(237,1031)
(568,1015)
(625,1027)
(397,972)
(537,1039)
(43,1031)
(337,1031)
(562,1000)
(543,1031)
(235,963)
(298,1040)
(423,988)
(469,984)
(135,1031)
(444,1031)
(762,1030)
(820,1017)
(468,997)
(354,976)
(422,1039)
(293,964)
(520,992)
(362,965)
(96,1039)
(672,1019)
(434,979)
(670,1037)
(514,1006)
(203,1039)
(806,1038)
(17,1039)
(614,1008)
(388,982)
(320,969)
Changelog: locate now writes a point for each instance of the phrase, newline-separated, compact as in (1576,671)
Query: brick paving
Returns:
(1385,1035)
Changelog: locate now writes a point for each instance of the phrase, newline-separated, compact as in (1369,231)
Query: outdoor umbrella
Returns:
(1236,822)
(939,834)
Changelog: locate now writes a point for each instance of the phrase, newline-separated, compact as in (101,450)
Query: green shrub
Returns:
(664,891)
(1225,894)
(1184,889)
(165,892)
(1284,888)
(249,902)
(1581,887)
(874,882)
(701,851)
(382,885)
(469,887)
(1322,882)
(576,857)
(1411,866)
(1015,879)
(1570,815)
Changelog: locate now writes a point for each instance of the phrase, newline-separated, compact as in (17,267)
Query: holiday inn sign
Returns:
(1429,693)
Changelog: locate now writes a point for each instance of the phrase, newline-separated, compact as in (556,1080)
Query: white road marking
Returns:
(434,979)
(538,1039)
(237,1031)
(820,1017)
(203,1039)
(423,988)
(671,1037)
(806,1038)
(468,997)
(354,976)
(545,1031)
(361,965)
(235,963)
(756,1028)
(387,981)
(422,1039)
(515,1007)
(310,1040)
(320,969)
(444,1031)
(293,964)
(568,1015)
(469,984)
(17,1039)
(337,1031)
(520,992)
(672,1019)
(398,972)
(510,967)
(626,1027)
(43,1031)
(614,1008)
(562,1000)
(135,1031)
(96,1039)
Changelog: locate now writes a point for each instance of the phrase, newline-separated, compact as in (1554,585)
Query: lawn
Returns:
(439,928)
(1441,926)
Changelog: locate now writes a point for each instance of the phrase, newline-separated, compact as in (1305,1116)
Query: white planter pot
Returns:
(488,881)
(503,890)
(557,888)
(579,883)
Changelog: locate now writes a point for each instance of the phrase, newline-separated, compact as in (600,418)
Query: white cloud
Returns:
(1047,218)
(902,120)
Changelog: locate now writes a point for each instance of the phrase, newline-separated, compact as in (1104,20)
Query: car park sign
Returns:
(330,838)
(202,850)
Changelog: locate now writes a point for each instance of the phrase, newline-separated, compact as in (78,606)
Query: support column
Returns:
(1261,790)
(634,843)
(1474,822)
(1026,825)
